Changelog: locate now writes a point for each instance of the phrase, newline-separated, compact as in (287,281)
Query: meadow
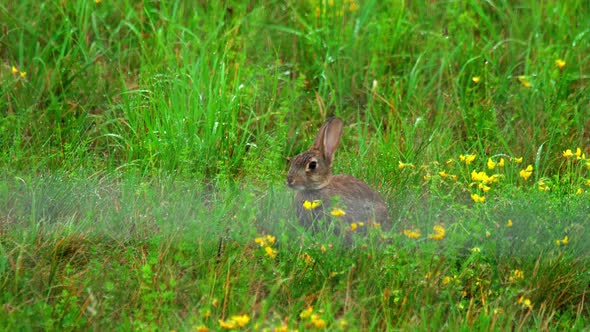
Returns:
(144,148)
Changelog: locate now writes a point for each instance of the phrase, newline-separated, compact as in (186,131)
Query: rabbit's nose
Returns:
(289,180)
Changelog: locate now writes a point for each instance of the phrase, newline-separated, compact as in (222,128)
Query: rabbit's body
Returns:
(360,204)
(311,175)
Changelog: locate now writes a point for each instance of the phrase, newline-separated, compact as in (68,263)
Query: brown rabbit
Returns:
(311,176)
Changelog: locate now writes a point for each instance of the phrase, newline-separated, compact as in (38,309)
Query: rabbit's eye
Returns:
(312,165)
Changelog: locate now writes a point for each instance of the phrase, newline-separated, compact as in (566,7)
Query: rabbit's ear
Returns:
(328,138)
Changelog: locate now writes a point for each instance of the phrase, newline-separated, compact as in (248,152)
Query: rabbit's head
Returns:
(312,169)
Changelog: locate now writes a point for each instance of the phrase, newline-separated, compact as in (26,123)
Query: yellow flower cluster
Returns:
(516,275)
(15,71)
(355,225)
(563,241)
(560,63)
(447,279)
(483,180)
(492,164)
(467,159)
(527,172)
(478,199)
(267,242)
(315,319)
(439,233)
(235,322)
(412,233)
(578,154)
(312,205)
(336,212)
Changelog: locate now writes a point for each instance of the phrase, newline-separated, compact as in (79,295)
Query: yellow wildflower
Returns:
(353,227)
(567,153)
(467,159)
(318,322)
(526,173)
(565,241)
(439,233)
(227,324)
(353,7)
(265,241)
(509,223)
(443,174)
(518,160)
(412,233)
(14,70)
(543,186)
(579,154)
(523,80)
(446,280)
(202,328)
(478,199)
(580,191)
(282,328)
(484,187)
(501,162)
(477,176)
(491,164)
(97,1)
(560,63)
(311,205)
(235,322)
(476,79)
(259,241)
(306,313)
(516,275)
(525,302)
(270,239)
(476,249)
(242,320)
(337,212)
(23,74)
(270,252)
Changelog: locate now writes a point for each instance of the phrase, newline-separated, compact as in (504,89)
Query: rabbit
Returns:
(310,175)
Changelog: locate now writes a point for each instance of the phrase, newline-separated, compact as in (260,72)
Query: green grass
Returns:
(145,150)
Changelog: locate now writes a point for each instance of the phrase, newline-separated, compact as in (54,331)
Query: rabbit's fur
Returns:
(311,176)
